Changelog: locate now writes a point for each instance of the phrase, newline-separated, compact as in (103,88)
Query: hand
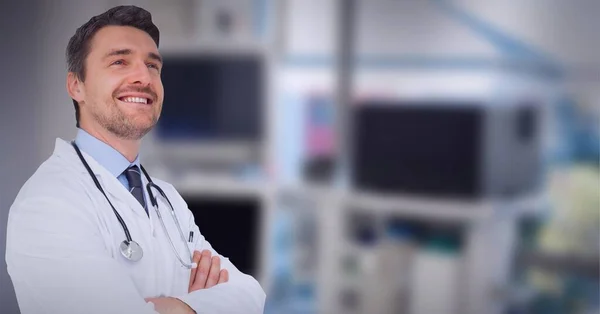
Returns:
(169,305)
(208,273)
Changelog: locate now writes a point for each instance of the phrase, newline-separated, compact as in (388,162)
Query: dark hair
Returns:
(79,45)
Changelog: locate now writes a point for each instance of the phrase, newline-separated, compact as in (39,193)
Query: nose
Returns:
(140,75)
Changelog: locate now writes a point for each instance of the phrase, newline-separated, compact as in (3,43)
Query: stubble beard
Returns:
(122,126)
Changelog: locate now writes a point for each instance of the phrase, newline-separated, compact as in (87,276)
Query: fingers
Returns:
(208,273)
(223,276)
(202,271)
(213,275)
(195,260)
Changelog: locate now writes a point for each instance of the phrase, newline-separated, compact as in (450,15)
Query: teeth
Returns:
(136,100)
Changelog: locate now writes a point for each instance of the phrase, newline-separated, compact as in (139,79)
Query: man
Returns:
(63,240)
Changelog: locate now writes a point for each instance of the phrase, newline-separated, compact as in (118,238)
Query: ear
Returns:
(75,87)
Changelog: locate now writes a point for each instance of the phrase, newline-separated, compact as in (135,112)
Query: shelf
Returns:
(419,207)
(562,263)
(454,210)
(221,187)
(409,206)
(445,209)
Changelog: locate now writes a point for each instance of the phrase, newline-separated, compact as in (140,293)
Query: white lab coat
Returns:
(62,247)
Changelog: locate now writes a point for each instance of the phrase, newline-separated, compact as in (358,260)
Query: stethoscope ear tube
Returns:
(150,194)
(162,193)
(89,170)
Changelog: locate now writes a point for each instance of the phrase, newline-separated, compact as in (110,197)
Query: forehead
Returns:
(121,37)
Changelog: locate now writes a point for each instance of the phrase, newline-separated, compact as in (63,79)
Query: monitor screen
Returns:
(232,226)
(212,98)
(419,148)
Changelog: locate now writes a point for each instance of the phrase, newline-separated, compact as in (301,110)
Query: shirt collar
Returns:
(104,154)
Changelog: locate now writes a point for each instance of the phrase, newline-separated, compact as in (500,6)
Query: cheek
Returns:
(104,88)
(160,90)
(158,84)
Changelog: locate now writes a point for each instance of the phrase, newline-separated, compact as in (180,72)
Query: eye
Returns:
(153,66)
(118,62)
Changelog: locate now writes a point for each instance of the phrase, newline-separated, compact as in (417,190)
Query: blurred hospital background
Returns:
(359,156)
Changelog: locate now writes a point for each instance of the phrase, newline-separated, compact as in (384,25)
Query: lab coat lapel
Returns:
(113,188)
(116,190)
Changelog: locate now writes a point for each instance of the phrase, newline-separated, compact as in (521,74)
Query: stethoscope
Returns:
(130,249)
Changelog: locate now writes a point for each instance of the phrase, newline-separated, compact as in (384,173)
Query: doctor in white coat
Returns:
(84,234)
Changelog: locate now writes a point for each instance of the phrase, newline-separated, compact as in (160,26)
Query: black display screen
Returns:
(419,148)
(232,226)
(212,97)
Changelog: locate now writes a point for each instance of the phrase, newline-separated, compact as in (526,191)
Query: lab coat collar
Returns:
(104,154)
(64,150)
(110,183)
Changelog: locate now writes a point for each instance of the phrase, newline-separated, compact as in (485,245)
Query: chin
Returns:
(141,124)
(148,125)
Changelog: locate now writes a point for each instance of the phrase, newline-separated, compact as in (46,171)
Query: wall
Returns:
(35,108)
(19,88)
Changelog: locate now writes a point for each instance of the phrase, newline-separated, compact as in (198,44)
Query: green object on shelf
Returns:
(443,243)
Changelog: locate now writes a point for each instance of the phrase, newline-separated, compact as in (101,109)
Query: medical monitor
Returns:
(213,106)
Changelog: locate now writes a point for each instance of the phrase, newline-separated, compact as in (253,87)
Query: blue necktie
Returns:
(134,178)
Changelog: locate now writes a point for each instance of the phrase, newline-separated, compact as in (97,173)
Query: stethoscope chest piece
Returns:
(131,250)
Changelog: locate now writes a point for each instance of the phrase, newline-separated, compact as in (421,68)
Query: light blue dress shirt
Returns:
(105,155)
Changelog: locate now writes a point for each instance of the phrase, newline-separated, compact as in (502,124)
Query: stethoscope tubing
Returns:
(87,167)
(153,201)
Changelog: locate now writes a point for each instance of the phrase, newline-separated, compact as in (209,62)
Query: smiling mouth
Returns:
(136,100)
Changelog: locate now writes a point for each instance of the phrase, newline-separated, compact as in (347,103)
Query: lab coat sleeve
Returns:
(58,261)
(241,294)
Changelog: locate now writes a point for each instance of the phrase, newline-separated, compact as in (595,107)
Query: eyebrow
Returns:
(118,52)
(155,56)
(121,52)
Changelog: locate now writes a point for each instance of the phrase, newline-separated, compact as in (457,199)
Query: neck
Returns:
(128,148)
